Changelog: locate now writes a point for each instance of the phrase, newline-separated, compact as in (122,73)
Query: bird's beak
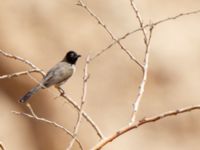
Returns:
(78,56)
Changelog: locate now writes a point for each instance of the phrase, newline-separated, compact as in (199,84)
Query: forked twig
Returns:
(34,116)
(146,61)
(139,18)
(158,23)
(145,26)
(85,115)
(100,22)
(141,122)
(144,79)
(22,60)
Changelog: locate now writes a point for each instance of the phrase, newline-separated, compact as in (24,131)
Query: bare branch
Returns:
(157,23)
(100,22)
(143,82)
(138,16)
(145,26)
(177,16)
(85,115)
(34,116)
(146,61)
(17,74)
(83,99)
(22,60)
(126,129)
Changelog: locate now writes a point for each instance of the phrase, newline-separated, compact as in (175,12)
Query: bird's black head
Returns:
(71,57)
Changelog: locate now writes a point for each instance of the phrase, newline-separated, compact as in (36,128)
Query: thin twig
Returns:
(85,115)
(34,116)
(125,129)
(22,60)
(102,51)
(143,82)
(100,22)
(146,61)
(17,74)
(83,100)
(160,22)
(145,26)
(139,18)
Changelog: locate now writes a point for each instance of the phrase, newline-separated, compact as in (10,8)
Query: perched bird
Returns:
(57,75)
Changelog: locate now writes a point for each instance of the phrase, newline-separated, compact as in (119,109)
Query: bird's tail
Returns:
(30,93)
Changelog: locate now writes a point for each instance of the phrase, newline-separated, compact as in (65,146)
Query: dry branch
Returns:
(158,23)
(85,115)
(145,26)
(139,18)
(141,122)
(144,79)
(34,116)
(145,62)
(22,60)
(100,22)
(17,74)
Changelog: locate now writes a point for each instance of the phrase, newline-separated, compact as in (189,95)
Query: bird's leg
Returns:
(62,92)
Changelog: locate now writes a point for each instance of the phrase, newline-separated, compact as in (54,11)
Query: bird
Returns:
(56,76)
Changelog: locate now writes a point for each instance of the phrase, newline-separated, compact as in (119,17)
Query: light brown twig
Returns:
(100,22)
(145,26)
(85,115)
(22,60)
(139,18)
(83,100)
(146,61)
(159,22)
(34,116)
(125,129)
(17,74)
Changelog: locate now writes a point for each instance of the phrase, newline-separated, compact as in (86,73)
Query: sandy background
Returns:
(43,31)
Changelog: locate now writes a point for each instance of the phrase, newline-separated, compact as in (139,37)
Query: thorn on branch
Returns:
(86,78)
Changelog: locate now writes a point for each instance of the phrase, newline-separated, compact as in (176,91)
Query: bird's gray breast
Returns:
(58,74)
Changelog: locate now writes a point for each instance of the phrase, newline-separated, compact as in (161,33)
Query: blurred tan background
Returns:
(43,31)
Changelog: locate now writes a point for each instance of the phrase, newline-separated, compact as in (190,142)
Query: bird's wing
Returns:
(59,73)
